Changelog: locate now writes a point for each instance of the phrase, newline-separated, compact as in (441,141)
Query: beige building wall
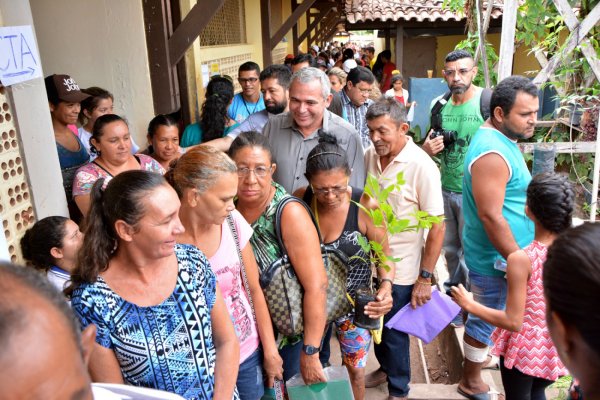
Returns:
(523,61)
(226,59)
(99,43)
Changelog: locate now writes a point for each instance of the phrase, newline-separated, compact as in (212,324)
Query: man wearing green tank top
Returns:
(462,114)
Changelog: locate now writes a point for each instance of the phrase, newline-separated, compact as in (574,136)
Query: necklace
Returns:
(246,105)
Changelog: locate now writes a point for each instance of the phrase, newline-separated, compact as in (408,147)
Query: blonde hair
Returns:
(340,73)
(199,168)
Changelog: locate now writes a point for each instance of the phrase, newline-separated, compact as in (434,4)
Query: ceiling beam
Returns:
(314,24)
(290,22)
(191,27)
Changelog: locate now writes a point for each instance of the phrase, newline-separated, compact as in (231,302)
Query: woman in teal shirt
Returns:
(214,122)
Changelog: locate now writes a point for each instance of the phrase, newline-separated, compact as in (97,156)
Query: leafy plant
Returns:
(384,217)
(470,44)
(587,207)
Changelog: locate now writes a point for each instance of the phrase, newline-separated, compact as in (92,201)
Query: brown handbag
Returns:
(283,291)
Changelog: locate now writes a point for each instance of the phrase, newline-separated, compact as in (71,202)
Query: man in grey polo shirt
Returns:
(294,134)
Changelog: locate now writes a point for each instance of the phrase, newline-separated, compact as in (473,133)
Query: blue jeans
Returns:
(453,249)
(489,291)
(325,352)
(290,354)
(250,377)
(393,353)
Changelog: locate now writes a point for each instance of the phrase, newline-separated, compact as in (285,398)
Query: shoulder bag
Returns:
(283,291)
(277,387)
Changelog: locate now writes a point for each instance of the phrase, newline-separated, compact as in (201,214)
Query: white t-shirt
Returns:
(58,277)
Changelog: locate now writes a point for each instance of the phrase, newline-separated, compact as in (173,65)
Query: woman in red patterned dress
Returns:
(528,359)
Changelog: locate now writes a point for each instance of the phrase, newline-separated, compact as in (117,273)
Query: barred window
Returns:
(228,26)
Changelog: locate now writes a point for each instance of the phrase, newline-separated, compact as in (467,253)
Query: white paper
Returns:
(19,56)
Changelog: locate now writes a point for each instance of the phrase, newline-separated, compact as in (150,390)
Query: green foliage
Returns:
(587,207)
(456,6)
(470,44)
(538,20)
(384,217)
(541,27)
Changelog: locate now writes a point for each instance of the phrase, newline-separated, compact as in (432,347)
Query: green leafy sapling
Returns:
(383,216)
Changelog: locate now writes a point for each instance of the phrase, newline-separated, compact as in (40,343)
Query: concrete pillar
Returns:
(30,106)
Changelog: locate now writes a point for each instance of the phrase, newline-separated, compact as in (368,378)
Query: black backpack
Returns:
(436,110)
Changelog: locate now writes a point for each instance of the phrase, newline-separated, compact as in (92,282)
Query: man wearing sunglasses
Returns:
(249,100)
(456,116)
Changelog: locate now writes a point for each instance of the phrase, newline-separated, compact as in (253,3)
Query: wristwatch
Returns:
(310,350)
(425,274)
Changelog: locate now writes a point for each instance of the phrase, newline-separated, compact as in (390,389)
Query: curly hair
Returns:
(213,118)
(38,240)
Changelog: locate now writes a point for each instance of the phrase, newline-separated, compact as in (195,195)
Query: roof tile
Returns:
(406,10)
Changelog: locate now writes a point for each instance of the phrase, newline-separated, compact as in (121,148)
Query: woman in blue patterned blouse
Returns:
(160,319)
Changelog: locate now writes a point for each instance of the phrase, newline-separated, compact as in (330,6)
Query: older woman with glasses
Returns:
(258,198)
(336,206)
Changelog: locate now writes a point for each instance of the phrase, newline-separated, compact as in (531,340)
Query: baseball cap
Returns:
(349,65)
(63,88)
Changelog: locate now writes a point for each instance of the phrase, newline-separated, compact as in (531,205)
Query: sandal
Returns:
(493,362)
(491,394)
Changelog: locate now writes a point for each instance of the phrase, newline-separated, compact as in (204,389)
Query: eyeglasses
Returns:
(366,92)
(247,80)
(461,72)
(335,190)
(261,172)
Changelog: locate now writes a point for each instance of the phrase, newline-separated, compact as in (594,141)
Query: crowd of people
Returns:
(163,280)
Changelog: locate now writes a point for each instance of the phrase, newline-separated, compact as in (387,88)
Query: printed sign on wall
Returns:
(19,57)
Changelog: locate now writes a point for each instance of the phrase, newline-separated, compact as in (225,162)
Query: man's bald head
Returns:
(20,286)
(42,355)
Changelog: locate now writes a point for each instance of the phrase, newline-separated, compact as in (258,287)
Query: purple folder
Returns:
(427,321)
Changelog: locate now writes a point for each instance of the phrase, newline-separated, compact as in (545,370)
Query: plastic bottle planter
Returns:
(361,299)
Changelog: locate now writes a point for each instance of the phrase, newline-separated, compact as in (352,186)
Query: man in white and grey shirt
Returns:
(294,134)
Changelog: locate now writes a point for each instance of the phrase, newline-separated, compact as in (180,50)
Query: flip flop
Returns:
(493,363)
(491,394)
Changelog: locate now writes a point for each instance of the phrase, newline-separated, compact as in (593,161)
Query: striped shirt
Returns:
(356,116)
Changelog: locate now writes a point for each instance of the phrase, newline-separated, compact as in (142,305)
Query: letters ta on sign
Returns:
(19,56)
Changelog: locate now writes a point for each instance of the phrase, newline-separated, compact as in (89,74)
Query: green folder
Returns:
(332,390)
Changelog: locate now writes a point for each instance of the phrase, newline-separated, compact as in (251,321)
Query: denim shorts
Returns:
(250,377)
(489,291)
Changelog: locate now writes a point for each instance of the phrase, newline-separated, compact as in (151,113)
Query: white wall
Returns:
(32,118)
(99,43)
